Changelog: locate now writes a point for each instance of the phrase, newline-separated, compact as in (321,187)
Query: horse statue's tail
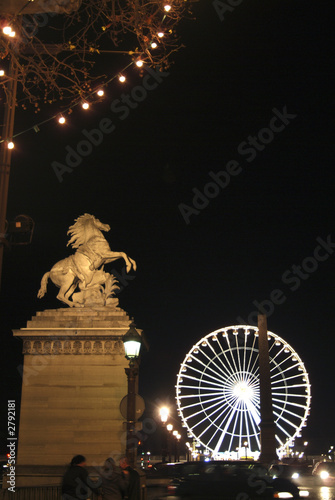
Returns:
(42,291)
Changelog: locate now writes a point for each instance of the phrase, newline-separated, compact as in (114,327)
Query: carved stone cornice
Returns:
(74,331)
(41,345)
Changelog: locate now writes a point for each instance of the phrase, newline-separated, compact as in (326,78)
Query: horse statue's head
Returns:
(84,228)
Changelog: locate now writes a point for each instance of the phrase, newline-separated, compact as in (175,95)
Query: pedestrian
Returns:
(133,486)
(76,484)
(113,483)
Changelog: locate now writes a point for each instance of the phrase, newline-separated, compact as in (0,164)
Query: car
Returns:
(294,472)
(233,480)
(324,472)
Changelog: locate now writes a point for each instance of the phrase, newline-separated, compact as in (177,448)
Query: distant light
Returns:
(139,63)
(85,105)
(2,73)
(160,34)
(122,78)
(10,145)
(164,413)
(61,120)
(167,8)
(7,30)
(100,92)
(154,45)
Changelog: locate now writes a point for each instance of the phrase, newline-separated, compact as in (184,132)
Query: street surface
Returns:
(310,484)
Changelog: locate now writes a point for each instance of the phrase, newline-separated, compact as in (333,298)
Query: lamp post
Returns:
(132,346)
(245,444)
(169,428)
(164,414)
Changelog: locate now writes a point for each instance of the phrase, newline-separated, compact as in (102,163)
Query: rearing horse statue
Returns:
(85,268)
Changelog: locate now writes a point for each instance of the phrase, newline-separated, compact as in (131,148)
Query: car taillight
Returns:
(171,489)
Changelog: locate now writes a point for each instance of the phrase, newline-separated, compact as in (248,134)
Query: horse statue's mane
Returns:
(81,230)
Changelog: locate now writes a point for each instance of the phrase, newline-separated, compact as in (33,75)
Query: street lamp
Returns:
(132,346)
(164,414)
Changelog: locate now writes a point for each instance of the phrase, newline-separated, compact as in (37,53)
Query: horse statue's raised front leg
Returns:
(111,256)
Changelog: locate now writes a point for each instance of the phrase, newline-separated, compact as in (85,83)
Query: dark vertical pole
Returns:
(5,153)
(267,425)
(131,444)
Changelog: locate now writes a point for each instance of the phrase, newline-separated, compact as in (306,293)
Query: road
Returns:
(306,483)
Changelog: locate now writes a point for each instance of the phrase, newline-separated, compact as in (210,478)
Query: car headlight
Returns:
(295,475)
(324,474)
(303,493)
(283,494)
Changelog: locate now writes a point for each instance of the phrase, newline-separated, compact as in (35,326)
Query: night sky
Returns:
(251,94)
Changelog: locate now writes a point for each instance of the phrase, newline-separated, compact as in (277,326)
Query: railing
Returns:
(43,493)
(35,493)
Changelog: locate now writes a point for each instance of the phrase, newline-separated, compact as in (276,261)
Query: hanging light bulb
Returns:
(167,8)
(12,34)
(122,78)
(154,45)
(139,63)
(10,144)
(160,34)
(61,120)
(100,92)
(2,73)
(7,30)
(85,105)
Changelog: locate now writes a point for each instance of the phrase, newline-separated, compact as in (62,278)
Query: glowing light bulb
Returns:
(139,63)
(167,8)
(85,105)
(12,34)
(160,34)
(154,45)
(10,145)
(2,73)
(61,120)
(122,78)
(100,92)
(7,30)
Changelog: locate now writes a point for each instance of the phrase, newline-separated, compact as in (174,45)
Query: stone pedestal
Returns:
(73,382)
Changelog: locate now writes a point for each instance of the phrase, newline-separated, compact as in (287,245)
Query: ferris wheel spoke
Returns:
(225,369)
(284,431)
(286,420)
(291,367)
(216,377)
(256,431)
(292,403)
(282,411)
(298,375)
(254,412)
(213,422)
(293,386)
(192,415)
(231,350)
(224,431)
(252,349)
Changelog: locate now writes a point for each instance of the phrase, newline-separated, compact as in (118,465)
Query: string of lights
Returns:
(84,95)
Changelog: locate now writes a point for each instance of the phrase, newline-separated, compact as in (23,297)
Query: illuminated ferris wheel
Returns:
(218,394)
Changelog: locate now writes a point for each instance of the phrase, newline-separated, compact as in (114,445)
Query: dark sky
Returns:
(256,88)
